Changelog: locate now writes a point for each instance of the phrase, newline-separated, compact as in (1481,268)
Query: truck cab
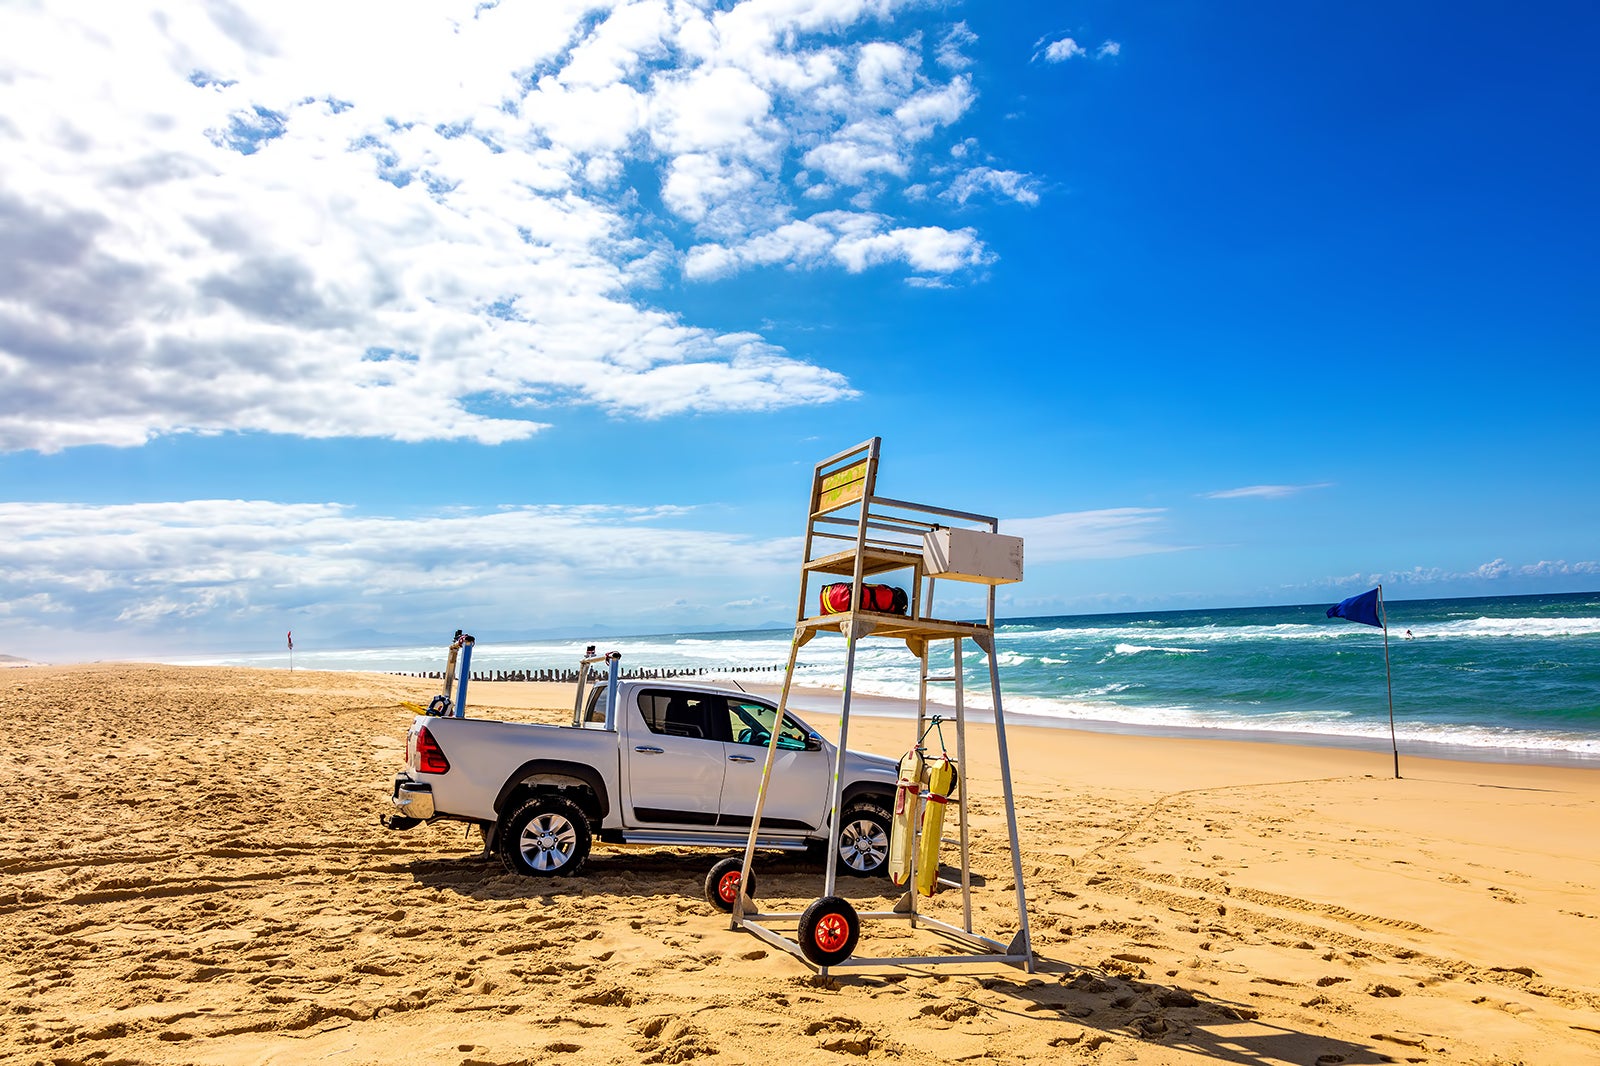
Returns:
(694,756)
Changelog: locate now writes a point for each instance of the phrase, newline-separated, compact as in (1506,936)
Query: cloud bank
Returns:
(231,573)
(438,221)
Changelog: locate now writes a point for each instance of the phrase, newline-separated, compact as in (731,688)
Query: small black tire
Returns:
(722,884)
(864,839)
(829,929)
(546,837)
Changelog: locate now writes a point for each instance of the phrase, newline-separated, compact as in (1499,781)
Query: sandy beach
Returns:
(192,871)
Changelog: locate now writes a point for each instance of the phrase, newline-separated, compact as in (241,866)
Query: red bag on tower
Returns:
(885,599)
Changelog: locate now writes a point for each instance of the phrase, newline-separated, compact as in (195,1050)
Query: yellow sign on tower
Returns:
(842,487)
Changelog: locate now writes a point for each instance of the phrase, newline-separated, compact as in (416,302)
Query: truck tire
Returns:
(546,837)
(864,839)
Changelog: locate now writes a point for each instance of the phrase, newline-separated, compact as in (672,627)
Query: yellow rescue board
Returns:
(903,817)
(941,786)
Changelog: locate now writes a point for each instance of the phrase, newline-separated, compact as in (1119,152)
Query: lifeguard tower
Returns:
(853,534)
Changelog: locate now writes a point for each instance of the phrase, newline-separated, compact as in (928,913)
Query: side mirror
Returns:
(813,742)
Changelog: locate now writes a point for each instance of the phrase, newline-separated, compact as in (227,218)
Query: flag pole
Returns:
(1388,678)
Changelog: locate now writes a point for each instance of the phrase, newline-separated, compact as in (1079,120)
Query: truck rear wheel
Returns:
(864,839)
(546,837)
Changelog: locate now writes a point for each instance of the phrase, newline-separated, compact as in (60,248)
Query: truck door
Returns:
(675,759)
(798,793)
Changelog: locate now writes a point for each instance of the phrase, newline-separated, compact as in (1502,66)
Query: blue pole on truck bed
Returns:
(461,685)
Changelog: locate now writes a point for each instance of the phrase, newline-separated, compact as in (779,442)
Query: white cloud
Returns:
(1062,50)
(228,570)
(1267,492)
(1515,578)
(923,113)
(368,219)
(856,241)
(698,185)
(950,52)
(1499,569)
(1112,533)
(1560,568)
(928,249)
(1019,187)
(720,109)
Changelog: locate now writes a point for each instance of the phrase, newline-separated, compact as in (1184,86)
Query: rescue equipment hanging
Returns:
(941,786)
(901,824)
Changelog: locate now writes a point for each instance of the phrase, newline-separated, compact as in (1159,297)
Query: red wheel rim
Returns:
(728,887)
(832,932)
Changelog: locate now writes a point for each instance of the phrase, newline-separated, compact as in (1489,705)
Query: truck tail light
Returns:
(430,756)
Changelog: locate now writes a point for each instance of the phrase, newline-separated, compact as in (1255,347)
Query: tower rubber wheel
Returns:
(829,929)
(722,884)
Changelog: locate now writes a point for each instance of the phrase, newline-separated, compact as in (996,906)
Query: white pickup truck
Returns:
(644,762)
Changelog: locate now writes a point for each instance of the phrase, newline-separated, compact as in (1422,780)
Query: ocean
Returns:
(1506,678)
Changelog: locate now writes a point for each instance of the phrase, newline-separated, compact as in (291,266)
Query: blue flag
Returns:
(1362,608)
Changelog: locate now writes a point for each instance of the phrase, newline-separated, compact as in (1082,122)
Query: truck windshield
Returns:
(751,723)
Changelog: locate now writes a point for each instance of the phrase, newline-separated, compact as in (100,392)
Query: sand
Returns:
(192,872)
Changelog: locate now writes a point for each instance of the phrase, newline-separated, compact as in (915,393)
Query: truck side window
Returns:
(751,723)
(680,714)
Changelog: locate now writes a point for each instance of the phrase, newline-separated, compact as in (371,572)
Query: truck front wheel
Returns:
(864,840)
(546,837)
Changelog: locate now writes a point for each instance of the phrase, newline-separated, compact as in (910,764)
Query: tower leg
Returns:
(961,787)
(737,915)
(854,629)
(1024,936)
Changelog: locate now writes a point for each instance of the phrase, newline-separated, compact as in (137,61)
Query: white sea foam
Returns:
(1510,627)
(1488,628)
(1321,723)
(1106,690)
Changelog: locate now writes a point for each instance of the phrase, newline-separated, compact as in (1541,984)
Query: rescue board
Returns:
(902,819)
(941,786)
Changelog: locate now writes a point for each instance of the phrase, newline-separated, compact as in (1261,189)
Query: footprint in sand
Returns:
(950,1012)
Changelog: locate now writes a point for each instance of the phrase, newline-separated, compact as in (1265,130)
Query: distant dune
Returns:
(12,660)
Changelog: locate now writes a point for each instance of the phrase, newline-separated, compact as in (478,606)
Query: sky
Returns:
(370,320)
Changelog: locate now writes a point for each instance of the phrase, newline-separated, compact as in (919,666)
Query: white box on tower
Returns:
(972,555)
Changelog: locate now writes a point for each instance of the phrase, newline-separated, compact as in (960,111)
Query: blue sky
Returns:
(371,321)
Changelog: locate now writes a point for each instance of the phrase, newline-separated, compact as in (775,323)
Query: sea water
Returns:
(1506,677)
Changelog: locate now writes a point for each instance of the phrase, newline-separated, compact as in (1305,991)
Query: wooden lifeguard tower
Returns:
(854,534)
